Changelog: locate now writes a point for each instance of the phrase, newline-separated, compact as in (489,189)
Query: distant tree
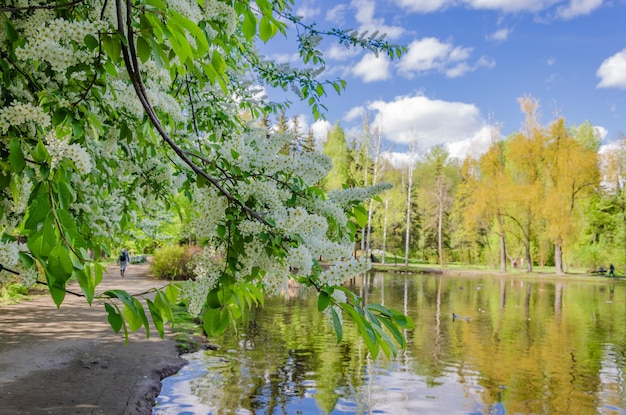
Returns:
(309,142)
(572,174)
(335,147)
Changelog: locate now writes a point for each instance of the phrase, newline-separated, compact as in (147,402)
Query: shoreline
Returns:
(68,360)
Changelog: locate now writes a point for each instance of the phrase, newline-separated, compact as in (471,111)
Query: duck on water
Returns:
(458,317)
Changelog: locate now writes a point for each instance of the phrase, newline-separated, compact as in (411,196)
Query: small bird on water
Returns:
(458,317)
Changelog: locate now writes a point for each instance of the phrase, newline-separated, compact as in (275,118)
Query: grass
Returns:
(415,266)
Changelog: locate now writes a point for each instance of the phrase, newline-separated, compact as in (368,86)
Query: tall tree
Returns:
(410,168)
(437,179)
(336,148)
(571,174)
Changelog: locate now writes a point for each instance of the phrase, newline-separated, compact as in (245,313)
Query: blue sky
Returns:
(468,62)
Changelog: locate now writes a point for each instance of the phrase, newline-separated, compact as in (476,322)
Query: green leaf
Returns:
(43,240)
(337,324)
(115,319)
(10,31)
(215,322)
(135,316)
(213,298)
(171,292)
(365,328)
(65,194)
(86,283)
(393,329)
(91,42)
(380,309)
(112,47)
(248,26)
(360,214)
(41,153)
(16,157)
(323,300)
(218,61)
(60,264)
(57,289)
(194,30)
(143,49)
(157,319)
(265,29)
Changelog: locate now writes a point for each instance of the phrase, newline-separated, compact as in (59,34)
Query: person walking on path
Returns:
(124,259)
(611,270)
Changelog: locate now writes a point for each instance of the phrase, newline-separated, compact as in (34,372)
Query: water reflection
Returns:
(522,347)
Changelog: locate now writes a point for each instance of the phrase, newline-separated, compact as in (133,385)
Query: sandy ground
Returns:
(69,361)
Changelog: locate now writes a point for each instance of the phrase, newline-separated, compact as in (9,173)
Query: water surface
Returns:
(530,347)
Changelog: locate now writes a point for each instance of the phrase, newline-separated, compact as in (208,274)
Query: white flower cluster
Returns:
(121,94)
(310,169)
(220,11)
(18,113)
(340,270)
(60,149)
(214,10)
(297,222)
(211,213)
(300,260)
(9,259)
(266,194)
(57,42)
(344,197)
(207,272)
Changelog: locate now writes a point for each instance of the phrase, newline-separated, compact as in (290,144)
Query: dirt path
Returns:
(68,361)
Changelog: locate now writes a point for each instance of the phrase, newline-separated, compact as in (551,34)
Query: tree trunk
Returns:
(440,233)
(529,264)
(385,231)
(558,258)
(502,244)
(408,215)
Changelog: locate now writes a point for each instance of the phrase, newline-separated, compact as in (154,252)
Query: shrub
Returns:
(12,293)
(171,262)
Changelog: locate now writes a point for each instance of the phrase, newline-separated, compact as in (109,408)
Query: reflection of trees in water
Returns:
(531,346)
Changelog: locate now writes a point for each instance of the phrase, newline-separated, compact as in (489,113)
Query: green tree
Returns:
(108,106)
(336,148)
(572,174)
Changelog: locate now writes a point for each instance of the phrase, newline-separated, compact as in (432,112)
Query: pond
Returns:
(523,346)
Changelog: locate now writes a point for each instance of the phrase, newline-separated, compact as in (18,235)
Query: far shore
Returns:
(511,272)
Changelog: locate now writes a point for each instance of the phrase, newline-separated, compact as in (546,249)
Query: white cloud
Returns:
(601,132)
(371,68)
(307,12)
(423,6)
(578,8)
(399,160)
(500,35)
(340,52)
(612,71)
(565,9)
(428,122)
(336,14)
(431,55)
(354,113)
(474,146)
(285,58)
(365,17)
(320,130)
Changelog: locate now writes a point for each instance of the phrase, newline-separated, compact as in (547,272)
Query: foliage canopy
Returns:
(110,111)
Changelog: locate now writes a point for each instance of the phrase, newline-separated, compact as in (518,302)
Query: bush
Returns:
(12,293)
(171,262)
